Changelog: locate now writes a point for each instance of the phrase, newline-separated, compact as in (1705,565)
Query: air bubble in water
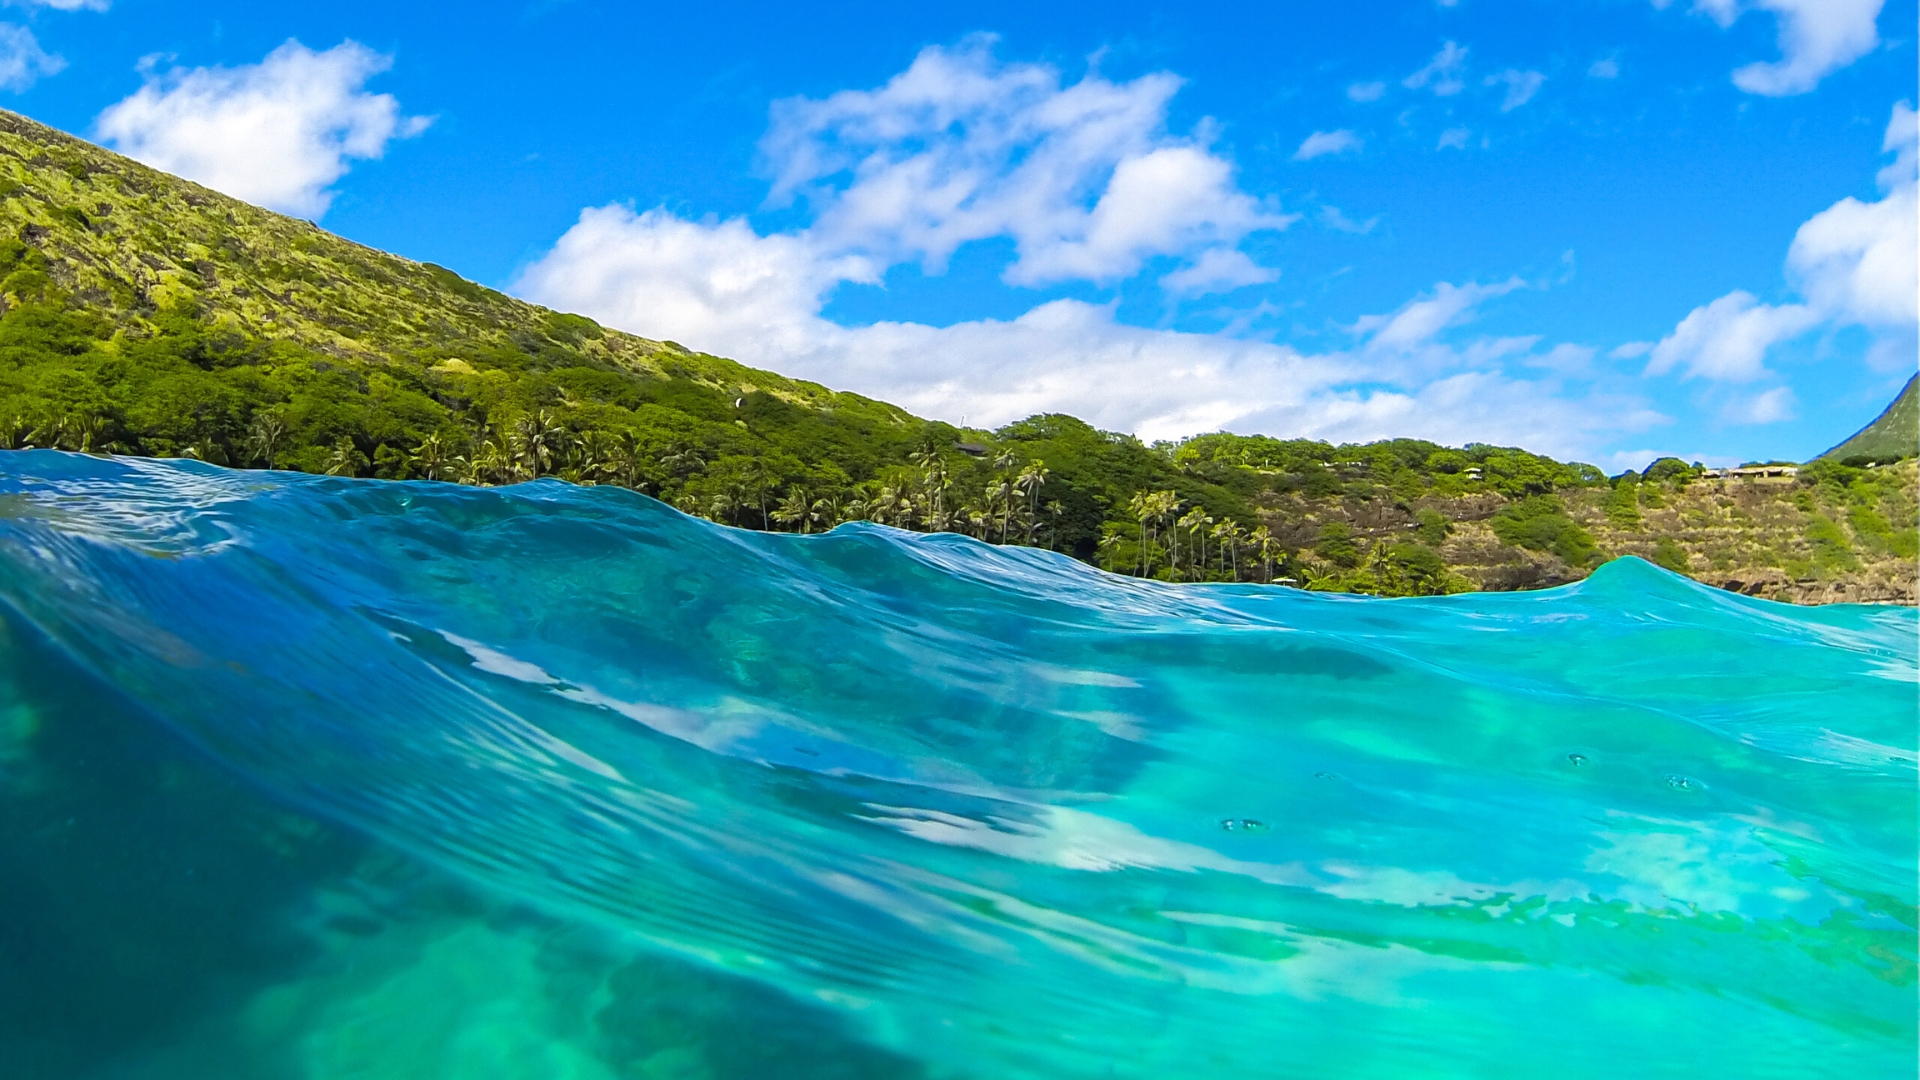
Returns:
(1577,759)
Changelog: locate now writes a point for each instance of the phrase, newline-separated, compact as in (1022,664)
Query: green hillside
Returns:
(142,314)
(1893,435)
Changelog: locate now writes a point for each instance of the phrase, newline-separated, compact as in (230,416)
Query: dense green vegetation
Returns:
(1893,435)
(140,314)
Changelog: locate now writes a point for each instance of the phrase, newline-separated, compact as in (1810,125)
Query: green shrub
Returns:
(1623,504)
(1669,554)
(1336,545)
(1432,527)
(1540,522)
(1667,468)
(1831,550)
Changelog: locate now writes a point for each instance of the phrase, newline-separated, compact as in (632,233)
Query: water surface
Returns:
(318,778)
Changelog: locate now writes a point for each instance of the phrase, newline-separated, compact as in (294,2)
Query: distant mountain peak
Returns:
(1893,435)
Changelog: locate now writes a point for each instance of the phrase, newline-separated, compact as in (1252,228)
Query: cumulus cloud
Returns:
(1856,261)
(277,133)
(1729,338)
(1090,186)
(1855,265)
(1766,407)
(720,286)
(1421,319)
(1604,68)
(1217,270)
(61,5)
(1521,86)
(1321,143)
(1453,137)
(1817,38)
(1442,74)
(960,147)
(22,60)
(1367,91)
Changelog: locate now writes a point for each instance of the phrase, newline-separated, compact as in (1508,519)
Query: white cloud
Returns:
(1217,270)
(715,285)
(1729,338)
(1454,137)
(1632,350)
(960,147)
(1421,319)
(1817,38)
(1605,68)
(1566,358)
(1903,141)
(1442,73)
(1855,263)
(1767,407)
(1091,188)
(1367,91)
(61,5)
(22,60)
(721,287)
(1321,143)
(1333,218)
(276,133)
(1521,86)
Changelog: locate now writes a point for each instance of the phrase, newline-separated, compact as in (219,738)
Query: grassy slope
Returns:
(143,314)
(130,241)
(135,245)
(1893,435)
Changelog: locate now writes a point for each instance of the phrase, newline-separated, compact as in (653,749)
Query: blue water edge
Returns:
(315,778)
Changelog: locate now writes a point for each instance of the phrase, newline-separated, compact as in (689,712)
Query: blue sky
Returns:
(1597,228)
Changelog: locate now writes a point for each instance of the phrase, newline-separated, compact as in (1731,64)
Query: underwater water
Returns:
(313,778)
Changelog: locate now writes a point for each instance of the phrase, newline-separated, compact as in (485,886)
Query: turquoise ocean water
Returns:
(317,779)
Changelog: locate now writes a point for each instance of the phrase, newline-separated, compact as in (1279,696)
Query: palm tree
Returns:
(624,465)
(431,459)
(1031,480)
(759,481)
(683,459)
(935,479)
(44,432)
(860,506)
(1054,511)
(83,429)
(827,511)
(893,506)
(490,463)
(346,458)
(795,509)
(537,439)
(264,438)
(1229,533)
(593,456)
(207,450)
(1196,523)
(1263,542)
